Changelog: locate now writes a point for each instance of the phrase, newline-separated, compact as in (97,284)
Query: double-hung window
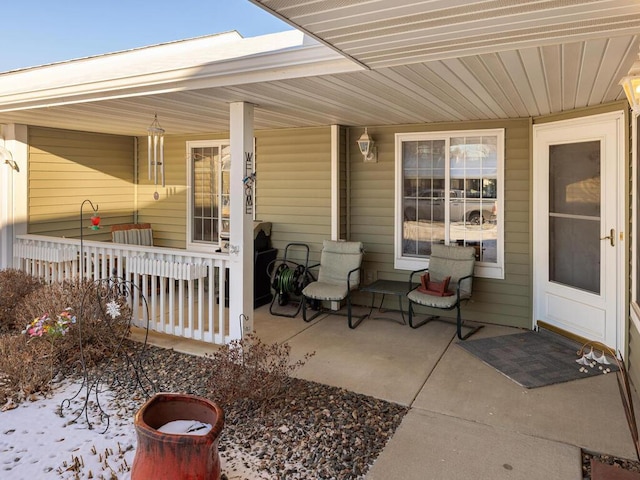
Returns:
(209,194)
(449,189)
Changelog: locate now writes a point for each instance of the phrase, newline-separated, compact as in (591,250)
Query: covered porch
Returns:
(299,100)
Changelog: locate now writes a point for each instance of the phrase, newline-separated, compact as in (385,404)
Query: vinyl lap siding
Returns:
(67,167)
(293,186)
(633,360)
(168,214)
(506,302)
(293,169)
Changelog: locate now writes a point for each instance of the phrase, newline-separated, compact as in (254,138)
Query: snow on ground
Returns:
(36,443)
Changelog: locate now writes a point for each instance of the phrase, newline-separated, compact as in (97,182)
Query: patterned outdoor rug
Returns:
(535,359)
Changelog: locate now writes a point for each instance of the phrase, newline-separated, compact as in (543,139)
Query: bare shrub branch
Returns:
(251,370)
(14,286)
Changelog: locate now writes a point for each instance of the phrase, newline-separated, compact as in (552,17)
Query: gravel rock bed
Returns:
(311,431)
(624,464)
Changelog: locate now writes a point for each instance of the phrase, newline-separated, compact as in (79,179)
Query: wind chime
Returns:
(155,151)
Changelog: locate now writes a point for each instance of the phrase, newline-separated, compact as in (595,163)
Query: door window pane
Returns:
(574,215)
(574,253)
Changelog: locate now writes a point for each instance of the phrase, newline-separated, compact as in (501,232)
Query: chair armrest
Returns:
(349,276)
(414,273)
(459,282)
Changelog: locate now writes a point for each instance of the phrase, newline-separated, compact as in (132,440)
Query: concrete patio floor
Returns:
(466,419)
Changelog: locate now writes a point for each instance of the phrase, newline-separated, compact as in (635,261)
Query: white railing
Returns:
(174,291)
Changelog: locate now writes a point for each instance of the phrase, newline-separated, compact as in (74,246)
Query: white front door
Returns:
(578,208)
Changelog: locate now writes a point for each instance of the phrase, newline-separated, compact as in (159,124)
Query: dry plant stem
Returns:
(250,370)
(623,386)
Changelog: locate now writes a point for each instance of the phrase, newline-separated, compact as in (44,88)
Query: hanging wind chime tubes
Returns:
(155,150)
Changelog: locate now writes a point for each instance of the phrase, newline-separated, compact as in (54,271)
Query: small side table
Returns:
(387,287)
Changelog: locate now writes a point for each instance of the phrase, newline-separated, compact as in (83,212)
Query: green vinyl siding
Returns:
(68,167)
(506,302)
(293,186)
(633,357)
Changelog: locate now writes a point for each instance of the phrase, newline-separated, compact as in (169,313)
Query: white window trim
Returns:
(191,245)
(487,270)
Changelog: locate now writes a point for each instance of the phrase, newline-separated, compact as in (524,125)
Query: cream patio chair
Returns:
(339,275)
(450,261)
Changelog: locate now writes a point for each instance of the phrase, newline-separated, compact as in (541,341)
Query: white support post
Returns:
(241,216)
(335,182)
(13,191)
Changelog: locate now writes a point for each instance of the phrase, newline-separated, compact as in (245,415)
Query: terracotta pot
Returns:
(173,456)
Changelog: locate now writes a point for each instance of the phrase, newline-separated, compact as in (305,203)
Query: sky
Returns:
(39,32)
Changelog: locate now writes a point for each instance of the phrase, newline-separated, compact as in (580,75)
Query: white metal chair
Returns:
(454,262)
(339,275)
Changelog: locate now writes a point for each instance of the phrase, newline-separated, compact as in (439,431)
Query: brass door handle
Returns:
(611,237)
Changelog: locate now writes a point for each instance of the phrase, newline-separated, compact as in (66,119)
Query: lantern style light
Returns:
(155,150)
(367,149)
(631,86)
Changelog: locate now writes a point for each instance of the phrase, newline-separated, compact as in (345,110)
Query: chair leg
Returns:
(418,324)
(359,319)
(304,310)
(459,324)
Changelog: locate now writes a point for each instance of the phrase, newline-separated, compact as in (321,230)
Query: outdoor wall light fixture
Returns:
(155,150)
(8,159)
(367,149)
(631,86)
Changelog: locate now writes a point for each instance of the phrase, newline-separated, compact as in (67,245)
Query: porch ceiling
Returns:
(413,62)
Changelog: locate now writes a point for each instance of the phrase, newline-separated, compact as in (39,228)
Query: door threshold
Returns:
(552,328)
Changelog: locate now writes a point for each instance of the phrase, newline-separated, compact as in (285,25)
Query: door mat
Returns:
(535,359)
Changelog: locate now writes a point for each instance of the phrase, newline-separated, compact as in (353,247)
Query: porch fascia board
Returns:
(99,79)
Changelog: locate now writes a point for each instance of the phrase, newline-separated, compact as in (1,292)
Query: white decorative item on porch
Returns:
(161,268)
(43,261)
(155,150)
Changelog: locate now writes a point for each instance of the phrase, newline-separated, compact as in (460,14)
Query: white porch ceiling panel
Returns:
(463,61)
(385,33)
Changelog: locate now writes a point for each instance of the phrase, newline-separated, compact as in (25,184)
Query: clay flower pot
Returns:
(173,456)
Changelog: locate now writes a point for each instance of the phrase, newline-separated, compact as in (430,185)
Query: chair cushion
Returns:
(132,234)
(326,291)
(119,236)
(432,300)
(455,262)
(337,259)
